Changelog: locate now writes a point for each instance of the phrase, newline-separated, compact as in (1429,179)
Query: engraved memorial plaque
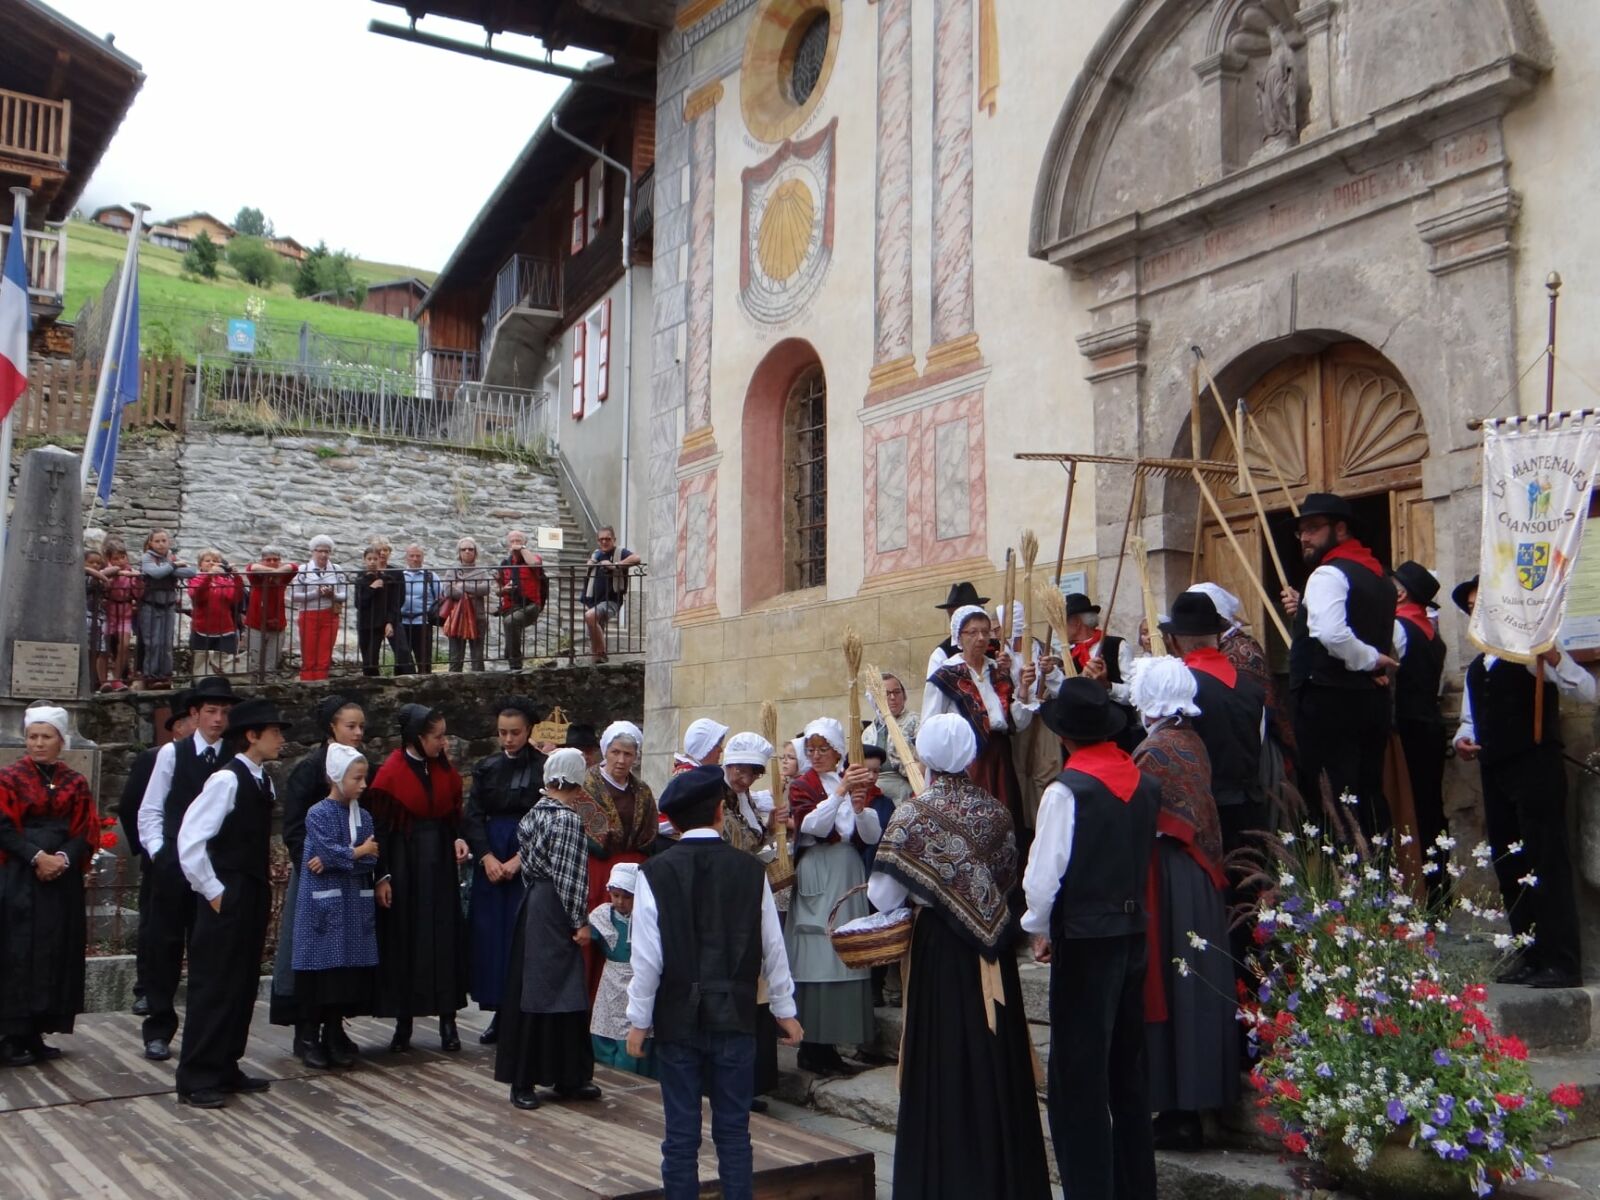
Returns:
(44,670)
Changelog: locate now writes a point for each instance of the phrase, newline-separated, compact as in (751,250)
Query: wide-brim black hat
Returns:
(582,737)
(1082,712)
(1194,614)
(1078,603)
(1418,581)
(213,689)
(1459,592)
(1326,504)
(692,787)
(179,709)
(255,713)
(961,595)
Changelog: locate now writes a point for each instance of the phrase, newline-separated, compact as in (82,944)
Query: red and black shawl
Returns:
(25,795)
(397,797)
(955,681)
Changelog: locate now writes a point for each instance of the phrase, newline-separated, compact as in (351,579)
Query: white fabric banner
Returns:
(1536,484)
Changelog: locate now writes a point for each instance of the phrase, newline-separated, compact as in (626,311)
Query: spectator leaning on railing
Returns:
(318,591)
(523,589)
(467,584)
(215,595)
(266,615)
(605,588)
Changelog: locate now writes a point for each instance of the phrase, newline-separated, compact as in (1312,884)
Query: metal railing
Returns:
(111,904)
(353,399)
(524,281)
(44,258)
(34,128)
(556,634)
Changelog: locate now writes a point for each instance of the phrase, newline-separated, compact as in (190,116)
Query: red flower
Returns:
(107,841)
(1475,992)
(107,822)
(1509,1102)
(1258,1080)
(1287,1089)
(1261,935)
(1476,1019)
(1295,1144)
(1269,1125)
(1567,1095)
(1509,1046)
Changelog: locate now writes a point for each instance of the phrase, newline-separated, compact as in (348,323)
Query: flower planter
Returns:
(1397,1172)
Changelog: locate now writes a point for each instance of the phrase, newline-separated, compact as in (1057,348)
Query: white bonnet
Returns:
(946,743)
(1164,687)
(47,714)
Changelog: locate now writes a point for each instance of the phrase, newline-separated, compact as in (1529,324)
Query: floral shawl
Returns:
(1174,756)
(602,821)
(955,680)
(954,848)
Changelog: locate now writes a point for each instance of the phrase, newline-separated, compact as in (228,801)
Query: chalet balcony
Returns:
(44,258)
(35,134)
(524,310)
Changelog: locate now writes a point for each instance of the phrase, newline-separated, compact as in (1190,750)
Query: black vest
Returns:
(1502,710)
(1103,890)
(1111,652)
(241,846)
(708,903)
(1230,725)
(189,775)
(1416,686)
(1369,609)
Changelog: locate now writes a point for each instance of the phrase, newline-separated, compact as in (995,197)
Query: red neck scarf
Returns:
(1111,765)
(1353,551)
(1417,617)
(1082,650)
(1214,663)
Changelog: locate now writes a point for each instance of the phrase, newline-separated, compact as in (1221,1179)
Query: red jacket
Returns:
(213,596)
(527,584)
(266,611)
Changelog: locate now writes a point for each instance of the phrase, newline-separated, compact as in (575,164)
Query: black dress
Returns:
(504,788)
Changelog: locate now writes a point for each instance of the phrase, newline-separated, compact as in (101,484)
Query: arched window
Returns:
(805,472)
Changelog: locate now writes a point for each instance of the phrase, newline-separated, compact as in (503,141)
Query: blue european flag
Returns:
(123,392)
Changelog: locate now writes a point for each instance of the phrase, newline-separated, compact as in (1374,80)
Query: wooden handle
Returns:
(1152,615)
(873,679)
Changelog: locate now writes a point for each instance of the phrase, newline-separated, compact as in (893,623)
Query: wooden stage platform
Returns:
(102,1121)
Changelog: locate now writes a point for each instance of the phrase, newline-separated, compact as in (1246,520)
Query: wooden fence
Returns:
(60,396)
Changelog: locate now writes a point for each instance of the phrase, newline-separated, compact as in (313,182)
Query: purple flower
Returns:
(1474,1106)
(1440,1116)
(1428,1131)
(1293,1002)
(1442,1147)
(1476,1136)
(1335,906)
(1324,1071)
(1441,1058)
(1397,1112)
(1264,992)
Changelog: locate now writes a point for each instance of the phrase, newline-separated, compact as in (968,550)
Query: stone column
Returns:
(955,340)
(700,112)
(1220,151)
(893,362)
(44,647)
(1316,21)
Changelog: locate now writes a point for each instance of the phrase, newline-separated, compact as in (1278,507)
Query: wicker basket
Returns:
(780,871)
(862,949)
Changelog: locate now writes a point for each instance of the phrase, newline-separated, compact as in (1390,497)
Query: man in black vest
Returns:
(704,929)
(960,596)
(1525,799)
(180,724)
(1085,887)
(1339,662)
(1417,718)
(181,770)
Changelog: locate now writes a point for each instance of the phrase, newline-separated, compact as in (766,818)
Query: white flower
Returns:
(1285,880)
(1406,839)
(1481,854)
(1288,838)
(1310,830)
(1529,880)
(1445,842)
(1198,942)
(1514,848)
(1503,941)
(1183,967)
(1431,867)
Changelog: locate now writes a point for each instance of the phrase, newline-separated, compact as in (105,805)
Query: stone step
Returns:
(1546,1019)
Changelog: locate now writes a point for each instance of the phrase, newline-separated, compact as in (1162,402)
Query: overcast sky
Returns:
(373,145)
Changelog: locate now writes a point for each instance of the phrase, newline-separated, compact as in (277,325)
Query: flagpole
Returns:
(1552,284)
(102,392)
(19,221)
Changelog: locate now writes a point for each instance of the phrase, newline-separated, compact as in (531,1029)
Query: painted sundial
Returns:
(787,228)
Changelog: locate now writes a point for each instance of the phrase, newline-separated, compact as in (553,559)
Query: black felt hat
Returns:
(1326,504)
(179,709)
(1460,591)
(1082,712)
(691,788)
(961,595)
(582,737)
(255,713)
(1078,603)
(1418,581)
(1194,614)
(213,689)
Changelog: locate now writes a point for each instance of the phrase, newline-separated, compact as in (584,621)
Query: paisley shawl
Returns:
(602,822)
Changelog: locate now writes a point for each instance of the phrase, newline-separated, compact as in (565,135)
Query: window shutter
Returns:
(579,218)
(603,374)
(579,348)
(597,193)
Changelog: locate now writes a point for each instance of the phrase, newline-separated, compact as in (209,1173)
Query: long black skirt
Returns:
(1194,1053)
(43,931)
(422,938)
(969,1116)
(549,1049)
(334,993)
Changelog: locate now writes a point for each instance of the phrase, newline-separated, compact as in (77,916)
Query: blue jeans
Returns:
(723,1066)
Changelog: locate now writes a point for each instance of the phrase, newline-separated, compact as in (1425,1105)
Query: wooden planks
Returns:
(102,1121)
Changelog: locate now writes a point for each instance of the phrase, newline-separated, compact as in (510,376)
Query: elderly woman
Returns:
(969,1117)
(1190,1027)
(544,1020)
(619,819)
(415,801)
(991,698)
(468,583)
(834,822)
(49,832)
(318,592)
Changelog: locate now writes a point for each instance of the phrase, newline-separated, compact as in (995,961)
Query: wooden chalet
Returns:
(114,217)
(186,228)
(287,248)
(63,93)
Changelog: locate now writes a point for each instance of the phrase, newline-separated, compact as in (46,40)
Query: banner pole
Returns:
(1552,284)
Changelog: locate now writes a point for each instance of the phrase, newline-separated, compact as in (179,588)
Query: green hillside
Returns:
(176,312)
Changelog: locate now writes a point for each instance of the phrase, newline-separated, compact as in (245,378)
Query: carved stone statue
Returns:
(1277,92)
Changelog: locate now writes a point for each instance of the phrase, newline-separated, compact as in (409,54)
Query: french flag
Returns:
(13,322)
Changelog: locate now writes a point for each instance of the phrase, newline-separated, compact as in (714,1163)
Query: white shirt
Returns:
(646,935)
(935,660)
(1325,598)
(1571,680)
(1049,856)
(305,590)
(153,808)
(837,815)
(888,894)
(201,823)
(935,702)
